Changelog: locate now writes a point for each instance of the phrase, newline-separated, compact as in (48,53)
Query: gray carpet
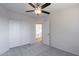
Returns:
(36,50)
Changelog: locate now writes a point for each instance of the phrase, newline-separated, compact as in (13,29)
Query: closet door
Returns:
(15,34)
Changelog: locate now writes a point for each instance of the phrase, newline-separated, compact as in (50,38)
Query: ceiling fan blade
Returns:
(45,12)
(45,5)
(30,11)
(31,5)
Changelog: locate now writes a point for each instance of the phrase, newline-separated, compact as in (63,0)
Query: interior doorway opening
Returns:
(39,38)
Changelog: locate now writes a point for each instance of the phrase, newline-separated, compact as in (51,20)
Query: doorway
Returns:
(39,38)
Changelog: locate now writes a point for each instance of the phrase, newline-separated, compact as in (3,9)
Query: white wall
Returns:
(22,30)
(46,31)
(4,31)
(65,30)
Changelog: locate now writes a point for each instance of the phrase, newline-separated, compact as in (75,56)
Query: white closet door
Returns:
(15,35)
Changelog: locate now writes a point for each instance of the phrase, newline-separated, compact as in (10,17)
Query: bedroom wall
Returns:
(4,30)
(65,30)
(21,29)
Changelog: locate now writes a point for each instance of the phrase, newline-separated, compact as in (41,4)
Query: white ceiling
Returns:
(22,7)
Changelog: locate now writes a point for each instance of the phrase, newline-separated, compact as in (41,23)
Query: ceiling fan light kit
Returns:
(38,10)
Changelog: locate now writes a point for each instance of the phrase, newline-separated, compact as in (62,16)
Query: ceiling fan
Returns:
(38,9)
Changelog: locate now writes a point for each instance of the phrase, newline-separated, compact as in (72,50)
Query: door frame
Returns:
(42,30)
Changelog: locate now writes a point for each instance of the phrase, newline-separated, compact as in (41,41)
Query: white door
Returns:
(46,38)
(15,37)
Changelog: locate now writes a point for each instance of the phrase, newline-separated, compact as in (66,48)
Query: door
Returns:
(46,38)
(15,37)
(39,33)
